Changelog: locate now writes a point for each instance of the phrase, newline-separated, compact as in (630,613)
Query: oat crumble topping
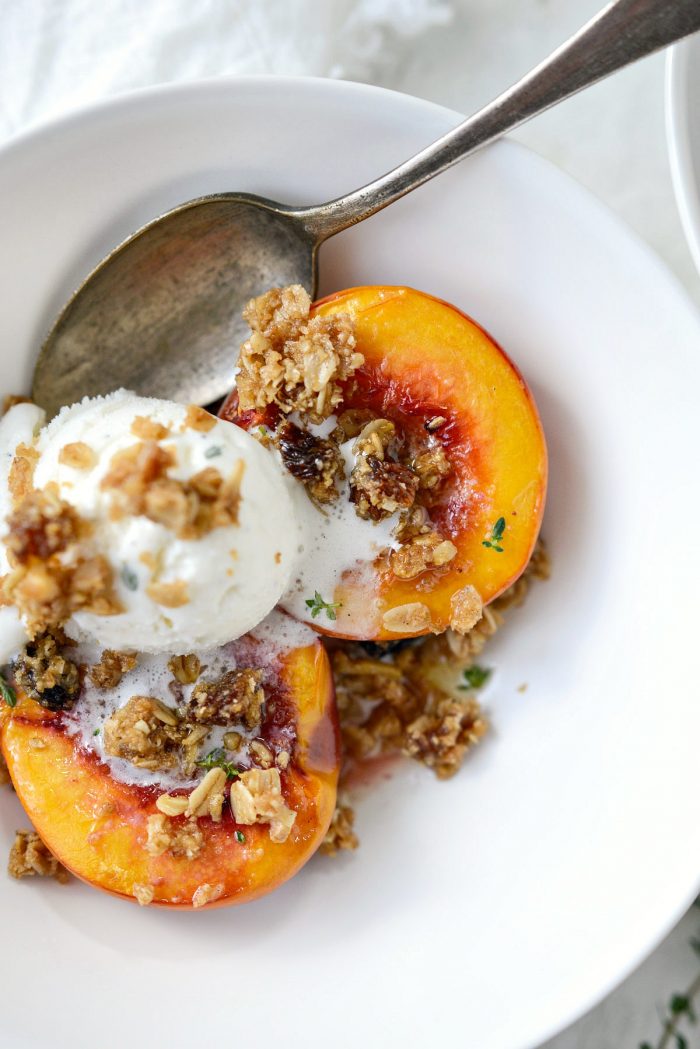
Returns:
(140,485)
(181,839)
(206,893)
(51,577)
(315,461)
(112,667)
(78,455)
(340,836)
(44,673)
(391,703)
(466,609)
(30,856)
(147,429)
(20,481)
(144,732)
(236,696)
(379,484)
(143,894)
(185,669)
(198,419)
(256,797)
(170,595)
(408,618)
(292,360)
(420,554)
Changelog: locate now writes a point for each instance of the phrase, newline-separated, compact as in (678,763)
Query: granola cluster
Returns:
(140,485)
(236,696)
(296,363)
(401,700)
(52,572)
(44,673)
(315,461)
(111,668)
(292,360)
(29,856)
(145,732)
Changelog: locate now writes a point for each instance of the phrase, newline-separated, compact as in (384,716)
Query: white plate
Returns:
(489,911)
(683,131)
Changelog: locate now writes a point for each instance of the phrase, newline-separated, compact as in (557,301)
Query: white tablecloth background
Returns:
(59,54)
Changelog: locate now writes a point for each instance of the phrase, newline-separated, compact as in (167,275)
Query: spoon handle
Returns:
(623,32)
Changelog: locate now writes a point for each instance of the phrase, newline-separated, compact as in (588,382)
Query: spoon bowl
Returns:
(162,312)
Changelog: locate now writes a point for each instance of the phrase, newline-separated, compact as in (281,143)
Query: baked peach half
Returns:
(135,840)
(448,446)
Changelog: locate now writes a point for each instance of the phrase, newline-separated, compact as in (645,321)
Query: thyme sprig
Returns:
(318,605)
(494,540)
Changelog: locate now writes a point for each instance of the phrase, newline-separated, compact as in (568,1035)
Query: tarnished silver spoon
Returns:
(161,314)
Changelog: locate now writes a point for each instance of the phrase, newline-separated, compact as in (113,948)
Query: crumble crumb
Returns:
(51,578)
(292,360)
(169,595)
(138,478)
(206,893)
(379,485)
(198,419)
(408,713)
(466,609)
(256,797)
(261,754)
(340,835)
(144,732)
(420,554)
(20,481)
(147,429)
(441,736)
(185,669)
(432,467)
(408,618)
(236,696)
(315,461)
(78,455)
(44,673)
(29,856)
(143,895)
(207,798)
(112,667)
(181,839)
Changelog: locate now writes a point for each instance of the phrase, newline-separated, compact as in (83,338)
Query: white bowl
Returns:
(683,132)
(489,911)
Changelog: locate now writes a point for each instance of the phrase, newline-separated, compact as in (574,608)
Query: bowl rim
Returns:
(163,93)
(686,183)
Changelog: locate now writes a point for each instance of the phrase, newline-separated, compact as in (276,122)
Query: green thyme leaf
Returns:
(475,677)
(8,694)
(680,1003)
(494,540)
(681,1042)
(318,605)
(129,578)
(96,732)
(240,836)
(211,453)
(216,759)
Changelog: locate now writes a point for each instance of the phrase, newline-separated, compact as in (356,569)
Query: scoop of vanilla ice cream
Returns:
(20,425)
(226,581)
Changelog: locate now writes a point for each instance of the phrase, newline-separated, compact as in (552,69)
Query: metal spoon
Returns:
(162,313)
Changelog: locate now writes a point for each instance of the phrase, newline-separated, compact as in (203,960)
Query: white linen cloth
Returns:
(56,55)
